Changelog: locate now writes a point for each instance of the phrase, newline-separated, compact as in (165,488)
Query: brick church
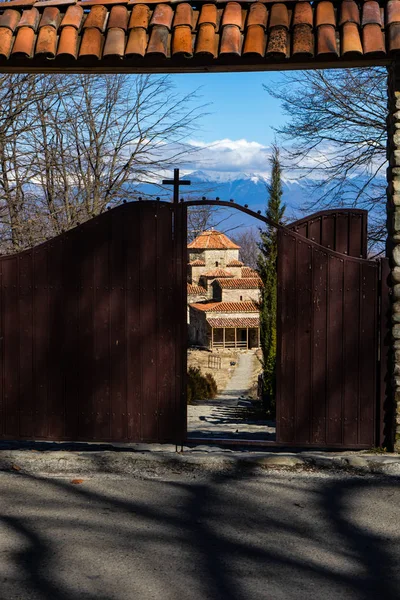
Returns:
(222,295)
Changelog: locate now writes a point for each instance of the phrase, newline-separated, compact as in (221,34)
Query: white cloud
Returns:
(231,156)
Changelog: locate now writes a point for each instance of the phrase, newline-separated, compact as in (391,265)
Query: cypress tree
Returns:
(266,267)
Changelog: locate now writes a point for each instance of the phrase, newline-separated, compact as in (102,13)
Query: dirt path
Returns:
(227,415)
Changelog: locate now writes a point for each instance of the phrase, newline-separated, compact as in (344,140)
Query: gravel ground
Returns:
(227,416)
(283,536)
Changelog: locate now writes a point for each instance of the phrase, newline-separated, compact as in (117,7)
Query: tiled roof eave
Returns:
(170,37)
(147,67)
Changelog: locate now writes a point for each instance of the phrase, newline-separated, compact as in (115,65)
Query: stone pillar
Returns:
(393,226)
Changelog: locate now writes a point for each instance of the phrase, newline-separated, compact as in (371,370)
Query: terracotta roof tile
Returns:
(197,263)
(208,14)
(195,290)
(235,263)
(6,40)
(217,273)
(206,34)
(249,272)
(118,18)
(68,42)
(212,240)
(46,43)
(225,307)
(50,17)
(245,283)
(10,19)
(30,18)
(24,42)
(137,43)
(233,322)
(73,17)
(96,18)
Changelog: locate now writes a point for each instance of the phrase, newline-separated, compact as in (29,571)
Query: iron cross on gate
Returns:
(176,182)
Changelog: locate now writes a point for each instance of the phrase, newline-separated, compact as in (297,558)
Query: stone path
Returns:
(229,415)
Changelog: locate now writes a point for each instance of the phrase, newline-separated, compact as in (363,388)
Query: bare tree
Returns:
(248,240)
(72,146)
(337,134)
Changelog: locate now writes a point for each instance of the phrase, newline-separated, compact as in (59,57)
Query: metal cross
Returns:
(176,182)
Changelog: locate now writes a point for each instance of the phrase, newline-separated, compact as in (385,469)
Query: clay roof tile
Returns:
(24,42)
(206,40)
(212,239)
(91,44)
(115,43)
(208,14)
(29,18)
(232,15)
(162,15)
(351,42)
(393,11)
(371,13)
(158,43)
(257,15)
(255,41)
(97,18)
(182,43)
(140,16)
(326,41)
(50,17)
(303,14)
(303,41)
(325,14)
(73,17)
(230,40)
(279,16)
(349,12)
(6,39)
(137,42)
(10,19)
(46,44)
(118,18)
(68,42)
(183,15)
(373,41)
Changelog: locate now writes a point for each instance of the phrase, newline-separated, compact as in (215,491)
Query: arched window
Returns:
(216,263)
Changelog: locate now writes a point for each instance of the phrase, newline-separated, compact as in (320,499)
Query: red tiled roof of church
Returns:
(244,283)
(226,306)
(249,272)
(213,240)
(217,273)
(195,290)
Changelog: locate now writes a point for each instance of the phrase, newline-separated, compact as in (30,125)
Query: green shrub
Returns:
(199,386)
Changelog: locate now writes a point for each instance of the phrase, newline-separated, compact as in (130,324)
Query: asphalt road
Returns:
(197,537)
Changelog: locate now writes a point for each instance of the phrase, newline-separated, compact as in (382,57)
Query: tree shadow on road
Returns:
(222,536)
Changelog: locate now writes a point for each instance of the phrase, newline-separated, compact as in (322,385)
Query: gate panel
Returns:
(327,355)
(343,230)
(89,335)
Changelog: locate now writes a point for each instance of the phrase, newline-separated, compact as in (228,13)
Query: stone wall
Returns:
(237,295)
(393,225)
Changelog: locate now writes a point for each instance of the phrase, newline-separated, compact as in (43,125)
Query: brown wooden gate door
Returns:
(327,334)
(92,331)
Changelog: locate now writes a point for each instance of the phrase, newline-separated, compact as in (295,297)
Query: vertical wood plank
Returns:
(148,323)
(303,342)
(355,236)
(41,339)
(328,232)
(26,417)
(134,341)
(319,363)
(342,233)
(335,351)
(118,348)
(286,325)
(102,329)
(368,358)
(351,348)
(11,347)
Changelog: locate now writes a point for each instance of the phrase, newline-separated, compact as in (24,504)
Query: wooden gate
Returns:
(327,335)
(93,331)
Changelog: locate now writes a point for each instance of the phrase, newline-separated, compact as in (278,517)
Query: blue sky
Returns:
(240,108)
